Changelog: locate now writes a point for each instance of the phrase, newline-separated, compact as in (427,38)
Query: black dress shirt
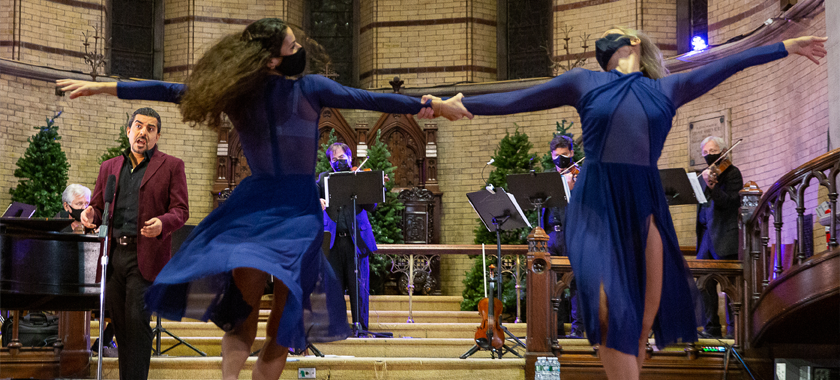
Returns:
(128,194)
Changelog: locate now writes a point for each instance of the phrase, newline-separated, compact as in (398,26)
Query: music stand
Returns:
(178,237)
(499,212)
(19,210)
(539,190)
(680,187)
(349,189)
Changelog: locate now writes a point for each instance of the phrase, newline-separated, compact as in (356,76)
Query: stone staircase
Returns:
(427,349)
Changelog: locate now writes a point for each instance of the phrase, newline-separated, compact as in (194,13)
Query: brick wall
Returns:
(455,42)
(48,33)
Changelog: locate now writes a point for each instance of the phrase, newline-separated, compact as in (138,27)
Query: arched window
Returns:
(332,23)
(136,33)
(524,38)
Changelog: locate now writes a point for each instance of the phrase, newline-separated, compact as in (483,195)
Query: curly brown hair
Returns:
(231,70)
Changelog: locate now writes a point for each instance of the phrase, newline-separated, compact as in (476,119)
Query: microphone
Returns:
(110,188)
(489,187)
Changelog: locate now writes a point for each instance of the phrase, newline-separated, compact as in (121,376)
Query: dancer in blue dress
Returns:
(621,243)
(272,223)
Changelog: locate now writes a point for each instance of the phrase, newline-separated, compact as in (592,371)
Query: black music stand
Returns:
(499,212)
(19,210)
(539,190)
(680,187)
(349,189)
(178,237)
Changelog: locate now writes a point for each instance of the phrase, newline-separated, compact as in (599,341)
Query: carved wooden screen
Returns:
(331,119)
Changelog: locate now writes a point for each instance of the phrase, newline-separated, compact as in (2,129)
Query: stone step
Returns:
(397,303)
(338,368)
(583,366)
(418,303)
(414,330)
(357,347)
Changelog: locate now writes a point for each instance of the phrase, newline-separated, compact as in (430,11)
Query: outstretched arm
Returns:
(563,90)
(144,90)
(684,87)
(79,88)
(328,93)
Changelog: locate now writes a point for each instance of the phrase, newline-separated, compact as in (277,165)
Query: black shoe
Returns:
(575,334)
(707,335)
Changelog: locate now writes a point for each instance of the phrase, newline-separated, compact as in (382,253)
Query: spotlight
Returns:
(697,43)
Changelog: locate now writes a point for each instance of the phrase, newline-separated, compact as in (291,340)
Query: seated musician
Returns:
(341,245)
(553,221)
(75,199)
(717,229)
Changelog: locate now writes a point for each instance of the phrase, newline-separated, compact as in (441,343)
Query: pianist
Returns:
(75,199)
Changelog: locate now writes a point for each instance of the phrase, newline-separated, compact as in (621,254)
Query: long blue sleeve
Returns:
(563,90)
(328,93)
(151,90)
(684,87)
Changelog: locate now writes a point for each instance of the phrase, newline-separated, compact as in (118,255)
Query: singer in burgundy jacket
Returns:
(163,195)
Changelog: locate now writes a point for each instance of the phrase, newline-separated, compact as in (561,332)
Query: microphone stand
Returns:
(104,247)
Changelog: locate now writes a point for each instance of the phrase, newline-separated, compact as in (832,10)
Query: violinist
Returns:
(341,244)
(717,227)
(554,220)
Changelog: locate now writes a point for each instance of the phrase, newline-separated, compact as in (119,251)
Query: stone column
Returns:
(832,20)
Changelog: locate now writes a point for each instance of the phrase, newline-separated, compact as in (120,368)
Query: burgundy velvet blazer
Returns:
(163,195)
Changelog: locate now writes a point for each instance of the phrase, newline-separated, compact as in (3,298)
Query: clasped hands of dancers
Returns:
(251,85)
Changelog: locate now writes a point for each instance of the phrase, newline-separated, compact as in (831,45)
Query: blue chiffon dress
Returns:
(625,119)
(273,220)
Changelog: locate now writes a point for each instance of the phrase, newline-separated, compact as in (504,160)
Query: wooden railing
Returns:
(548,276)
(765,268)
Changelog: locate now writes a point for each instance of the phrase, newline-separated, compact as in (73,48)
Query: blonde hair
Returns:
(652,65)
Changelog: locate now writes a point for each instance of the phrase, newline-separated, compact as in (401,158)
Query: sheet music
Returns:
(566,189)
(327,189)
(519,210)
(695,185)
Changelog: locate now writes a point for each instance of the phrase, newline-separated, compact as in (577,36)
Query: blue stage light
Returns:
(697,43)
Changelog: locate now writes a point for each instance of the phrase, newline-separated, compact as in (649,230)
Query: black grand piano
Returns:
(43,269)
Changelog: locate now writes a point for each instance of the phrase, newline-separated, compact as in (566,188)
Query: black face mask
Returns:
(293,64)
(76,213)
(341,166)
(607,46)
(562,161)
(711,158)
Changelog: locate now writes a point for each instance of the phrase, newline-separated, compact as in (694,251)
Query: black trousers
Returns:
(709,296)
(125,291)
(344,266)
(556,246)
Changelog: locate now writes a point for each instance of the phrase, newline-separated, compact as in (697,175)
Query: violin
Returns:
(489,334)
(574,168)
(720,165)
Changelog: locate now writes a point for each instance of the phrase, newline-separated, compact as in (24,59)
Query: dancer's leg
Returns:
(653,286)
(272,357)
(617,365)
(236,344)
